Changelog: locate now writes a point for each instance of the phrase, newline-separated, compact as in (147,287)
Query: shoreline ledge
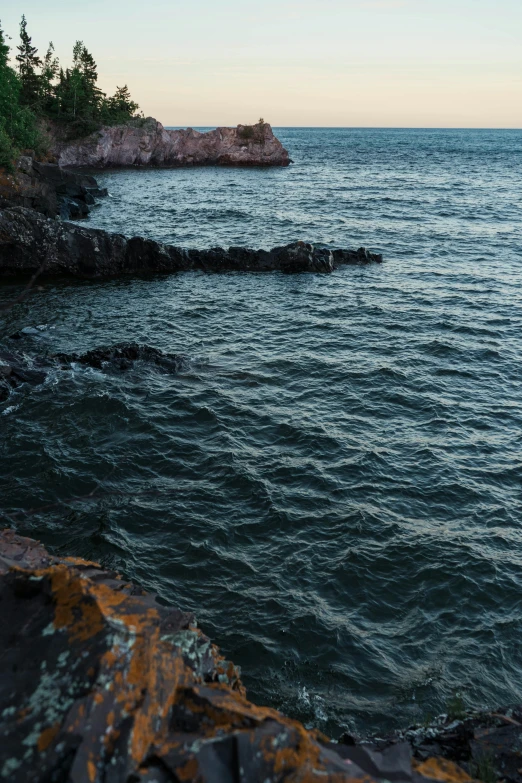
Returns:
(147,143)
(31,243)
(101,684)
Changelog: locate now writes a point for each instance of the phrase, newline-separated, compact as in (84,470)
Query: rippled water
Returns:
(333,481)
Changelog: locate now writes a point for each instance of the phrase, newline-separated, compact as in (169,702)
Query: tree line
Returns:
(39,88)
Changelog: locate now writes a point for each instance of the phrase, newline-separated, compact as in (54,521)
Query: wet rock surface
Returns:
(17,368)
(49,189)
(486,744)
(123,356)
(30,243)
(148,143)
(101,684)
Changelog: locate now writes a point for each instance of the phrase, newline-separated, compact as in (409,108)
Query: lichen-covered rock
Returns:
(148,143)
(30,242)
(101,684)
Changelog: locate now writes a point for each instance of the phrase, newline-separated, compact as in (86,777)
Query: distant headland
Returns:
(64,117)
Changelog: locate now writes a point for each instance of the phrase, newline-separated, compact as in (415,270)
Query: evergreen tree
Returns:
(50,70)
(18,128)
(40,88)
(78,96)
(120,106)
(28,61)
(4,50)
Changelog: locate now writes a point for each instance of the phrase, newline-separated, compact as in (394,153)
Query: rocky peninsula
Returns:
(31,243)
(147,143)
(101,684)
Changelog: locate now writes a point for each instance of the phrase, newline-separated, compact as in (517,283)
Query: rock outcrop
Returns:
(148,143)
(30,243)
(17,368)
(48,189)
(101,684)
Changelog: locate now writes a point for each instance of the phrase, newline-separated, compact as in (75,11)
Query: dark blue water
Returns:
(333,482)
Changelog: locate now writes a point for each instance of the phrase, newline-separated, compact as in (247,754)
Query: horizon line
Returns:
(357,127)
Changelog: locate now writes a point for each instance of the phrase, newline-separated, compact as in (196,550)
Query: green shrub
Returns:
(246,132)
(7,151)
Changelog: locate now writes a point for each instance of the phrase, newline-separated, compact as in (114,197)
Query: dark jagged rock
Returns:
(30,242)
(486,744)
(123,356)
(478,740)
(48,189)
(17,368)
(101,684)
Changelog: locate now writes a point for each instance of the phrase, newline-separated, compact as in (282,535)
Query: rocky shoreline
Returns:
(48,189)
(33,241)
(101,683)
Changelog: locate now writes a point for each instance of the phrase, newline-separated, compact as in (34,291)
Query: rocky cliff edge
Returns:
(101,684)
(148,143)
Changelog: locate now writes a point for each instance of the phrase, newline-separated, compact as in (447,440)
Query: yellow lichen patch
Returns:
(47,736)
(441,769)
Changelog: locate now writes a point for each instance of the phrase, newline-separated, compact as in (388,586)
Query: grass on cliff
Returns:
(252,132)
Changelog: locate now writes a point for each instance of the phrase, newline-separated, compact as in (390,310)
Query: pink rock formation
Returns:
(148,143)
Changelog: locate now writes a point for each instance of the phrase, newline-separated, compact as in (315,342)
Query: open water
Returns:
(333,482)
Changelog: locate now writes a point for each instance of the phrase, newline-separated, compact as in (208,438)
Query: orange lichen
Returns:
(160,678)
(24,712)
(188,771)
(47,736)
(79,561)
(441,769)
(74,610)
(145,677)
(91,770)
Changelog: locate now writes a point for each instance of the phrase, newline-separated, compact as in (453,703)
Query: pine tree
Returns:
(94,96)
(17,123)
(50,70)
(28,61)
(120,106)
(4,50)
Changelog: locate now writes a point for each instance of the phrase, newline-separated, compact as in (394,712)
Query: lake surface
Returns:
(333,482)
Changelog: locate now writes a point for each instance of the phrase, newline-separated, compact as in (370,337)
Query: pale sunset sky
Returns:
(389,63)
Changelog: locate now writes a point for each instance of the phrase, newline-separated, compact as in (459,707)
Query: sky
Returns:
(347,63)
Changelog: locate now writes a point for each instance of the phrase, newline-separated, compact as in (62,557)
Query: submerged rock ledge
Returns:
(101,684)
(30,242)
